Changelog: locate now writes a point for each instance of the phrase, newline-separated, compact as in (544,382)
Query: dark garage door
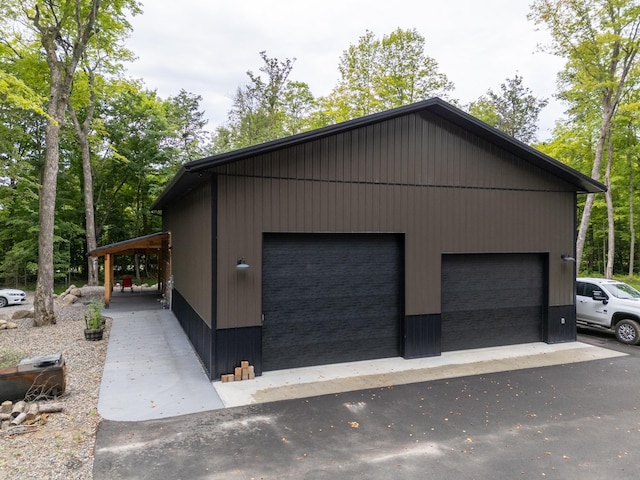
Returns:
(330,298)
(493,299)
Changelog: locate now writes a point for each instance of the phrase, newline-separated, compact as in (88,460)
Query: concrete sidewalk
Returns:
(347,377)
(152,372)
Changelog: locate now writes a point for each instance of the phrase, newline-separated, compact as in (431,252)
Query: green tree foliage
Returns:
(265,109)
(380,74)
(191,139)
(21,153)
(61,34)
(136,163)
(600,41)
(514,110)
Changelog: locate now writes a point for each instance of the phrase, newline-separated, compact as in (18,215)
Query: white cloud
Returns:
(206,48)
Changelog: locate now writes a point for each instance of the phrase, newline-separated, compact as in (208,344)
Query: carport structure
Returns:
(152,244)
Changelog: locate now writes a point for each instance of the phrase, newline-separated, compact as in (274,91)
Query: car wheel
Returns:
(628,331)
(3,302)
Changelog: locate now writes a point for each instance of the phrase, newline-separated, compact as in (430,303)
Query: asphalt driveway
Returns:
(579,420)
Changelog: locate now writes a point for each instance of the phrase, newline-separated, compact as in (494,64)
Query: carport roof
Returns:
(153,241)
(191,175)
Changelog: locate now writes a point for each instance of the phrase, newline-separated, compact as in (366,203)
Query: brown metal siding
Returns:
(190,224)
(445,189)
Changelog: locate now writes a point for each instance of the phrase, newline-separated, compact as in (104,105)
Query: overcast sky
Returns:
(206,47)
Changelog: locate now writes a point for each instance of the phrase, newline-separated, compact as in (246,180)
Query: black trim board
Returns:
(233,345)
(422,335)
(560,325)
(196,329)
(214,276)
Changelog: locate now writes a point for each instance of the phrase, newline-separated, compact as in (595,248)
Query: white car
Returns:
(11,296)
(609,305)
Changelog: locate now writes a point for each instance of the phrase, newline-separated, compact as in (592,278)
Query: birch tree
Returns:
(600,41)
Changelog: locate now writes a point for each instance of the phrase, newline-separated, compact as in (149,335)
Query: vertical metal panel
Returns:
(191,246)
(445,189)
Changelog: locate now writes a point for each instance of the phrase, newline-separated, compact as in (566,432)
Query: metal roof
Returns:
(192,175)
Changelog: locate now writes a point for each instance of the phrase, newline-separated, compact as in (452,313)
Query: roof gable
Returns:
(190,175)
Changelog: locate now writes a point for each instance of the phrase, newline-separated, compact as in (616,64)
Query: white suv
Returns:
(609,305)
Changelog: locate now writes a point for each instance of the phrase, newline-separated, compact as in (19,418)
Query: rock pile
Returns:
(70,296)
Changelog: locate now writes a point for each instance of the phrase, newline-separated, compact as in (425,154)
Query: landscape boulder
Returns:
(69,299)
(5,325)
(75,292)
(20,314)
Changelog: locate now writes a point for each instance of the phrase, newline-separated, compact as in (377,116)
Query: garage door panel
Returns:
(501,327)
(488,300)
(330,298)
(493,299)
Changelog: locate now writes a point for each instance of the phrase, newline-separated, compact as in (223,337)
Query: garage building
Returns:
(405,233)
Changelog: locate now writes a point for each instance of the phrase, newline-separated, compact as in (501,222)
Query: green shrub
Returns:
(9,356)
(93,315)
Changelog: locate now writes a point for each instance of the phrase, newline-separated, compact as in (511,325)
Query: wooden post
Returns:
(108,279)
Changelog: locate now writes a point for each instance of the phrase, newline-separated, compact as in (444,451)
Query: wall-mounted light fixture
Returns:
(567,258)
(242,265)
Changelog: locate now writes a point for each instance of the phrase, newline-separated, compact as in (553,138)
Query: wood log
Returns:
(6,406)
(18,408)
(32,412)
(19,419)
(244,364)
(238,374)
(50,407)
(5,416)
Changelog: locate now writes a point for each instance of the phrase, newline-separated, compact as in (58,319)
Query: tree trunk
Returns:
(92,262)
(595,174)
(61,78)
(610,220)
(82,131)
(632,228)
(43,300)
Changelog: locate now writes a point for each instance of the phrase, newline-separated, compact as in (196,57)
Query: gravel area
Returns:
(62,447)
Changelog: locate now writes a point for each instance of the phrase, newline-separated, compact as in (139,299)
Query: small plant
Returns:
(93,315)
(9,356)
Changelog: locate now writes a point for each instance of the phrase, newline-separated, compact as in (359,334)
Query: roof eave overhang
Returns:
(154,241)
